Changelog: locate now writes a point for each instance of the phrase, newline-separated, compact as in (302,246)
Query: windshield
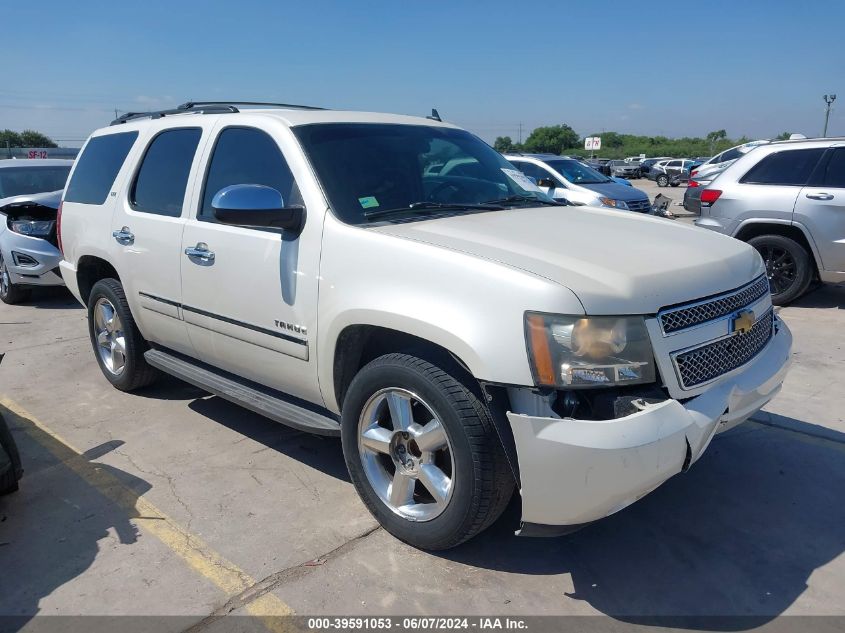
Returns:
(369,168)
(576,172)
(21,181)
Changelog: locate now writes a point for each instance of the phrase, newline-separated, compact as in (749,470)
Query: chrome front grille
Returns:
(640,206)
(703,364)
(682,317)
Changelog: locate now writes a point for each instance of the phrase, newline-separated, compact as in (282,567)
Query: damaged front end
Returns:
(28,239)
(581,455)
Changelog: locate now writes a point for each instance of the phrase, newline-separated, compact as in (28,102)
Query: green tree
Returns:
(503,144)
(31,138)
(783,136)
(12,138)
(713,137)
(552,139)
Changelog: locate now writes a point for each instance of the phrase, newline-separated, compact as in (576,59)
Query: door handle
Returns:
(820,196)
(124,236)
(200,252)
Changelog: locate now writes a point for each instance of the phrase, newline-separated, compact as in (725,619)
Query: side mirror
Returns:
(256,206)
(546,182)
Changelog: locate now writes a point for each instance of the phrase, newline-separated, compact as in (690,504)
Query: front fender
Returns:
(472,307)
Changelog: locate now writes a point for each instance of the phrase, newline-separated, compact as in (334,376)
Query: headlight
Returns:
(615,204)
(35,228)
(582,352)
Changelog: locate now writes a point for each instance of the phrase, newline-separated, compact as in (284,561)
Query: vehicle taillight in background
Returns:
(709,196)
(59,228)
(693,173)
(692,183)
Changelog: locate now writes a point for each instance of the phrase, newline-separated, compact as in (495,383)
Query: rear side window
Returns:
(247,156)
(161,182)
(97,168)
(731,154)
(834,175)
(789,167)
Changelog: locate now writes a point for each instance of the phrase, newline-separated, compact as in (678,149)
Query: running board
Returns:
(262,400)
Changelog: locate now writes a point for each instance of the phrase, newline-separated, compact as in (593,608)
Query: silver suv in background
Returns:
(787,199)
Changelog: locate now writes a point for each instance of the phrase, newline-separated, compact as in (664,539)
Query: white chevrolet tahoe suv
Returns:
(463,334)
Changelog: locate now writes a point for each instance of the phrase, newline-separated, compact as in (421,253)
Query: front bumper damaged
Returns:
(573,472)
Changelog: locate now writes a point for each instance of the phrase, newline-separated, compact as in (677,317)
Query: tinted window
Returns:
(576,172)
(161,182)
(789,167)
(731,154)
(247,156)
(835,172)
(97,167)
(20,181)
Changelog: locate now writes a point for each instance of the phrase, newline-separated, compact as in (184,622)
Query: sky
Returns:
(754,68)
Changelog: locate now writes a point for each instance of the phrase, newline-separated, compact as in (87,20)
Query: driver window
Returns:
(247,156)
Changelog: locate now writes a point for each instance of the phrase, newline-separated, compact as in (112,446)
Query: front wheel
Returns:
(118,345)
(662,180)
(10,293)
(423,453)
(788,266)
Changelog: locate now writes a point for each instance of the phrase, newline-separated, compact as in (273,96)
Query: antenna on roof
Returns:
(435,115)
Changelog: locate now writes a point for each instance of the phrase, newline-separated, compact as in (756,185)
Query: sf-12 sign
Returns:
(592,142)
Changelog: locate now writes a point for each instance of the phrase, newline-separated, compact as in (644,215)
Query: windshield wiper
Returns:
(531,199)
(429,207)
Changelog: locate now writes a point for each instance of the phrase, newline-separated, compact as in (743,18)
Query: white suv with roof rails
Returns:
(462,333)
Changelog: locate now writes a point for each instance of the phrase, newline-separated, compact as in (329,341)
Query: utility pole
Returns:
(828,99)
(520,133)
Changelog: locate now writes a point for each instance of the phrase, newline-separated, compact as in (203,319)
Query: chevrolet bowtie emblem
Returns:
(742,322)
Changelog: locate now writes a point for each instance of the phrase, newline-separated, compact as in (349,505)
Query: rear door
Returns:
(147,227)
(821,209)
(769,189)
(251,307)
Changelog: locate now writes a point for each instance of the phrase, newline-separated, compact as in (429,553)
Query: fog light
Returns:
(24,261)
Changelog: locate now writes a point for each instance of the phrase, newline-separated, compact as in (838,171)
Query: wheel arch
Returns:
(358,344)
(755,228)
(89,270)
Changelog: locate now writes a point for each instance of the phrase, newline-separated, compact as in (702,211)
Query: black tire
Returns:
(662,180)
(11,293)
(9,479)
(788,266)
(136,373)
(482,480)
(674,184)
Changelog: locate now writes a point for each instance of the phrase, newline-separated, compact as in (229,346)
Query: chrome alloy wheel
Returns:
(406,454)
(111,342)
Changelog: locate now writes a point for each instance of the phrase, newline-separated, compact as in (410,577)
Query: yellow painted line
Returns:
(190,548)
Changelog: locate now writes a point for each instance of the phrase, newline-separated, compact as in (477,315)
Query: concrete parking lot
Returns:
(175,502)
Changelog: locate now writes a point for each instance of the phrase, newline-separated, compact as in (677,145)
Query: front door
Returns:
(250,295)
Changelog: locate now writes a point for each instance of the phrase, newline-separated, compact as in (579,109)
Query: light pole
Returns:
(828,99)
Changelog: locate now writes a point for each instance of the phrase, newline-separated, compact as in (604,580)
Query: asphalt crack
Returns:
(277,579)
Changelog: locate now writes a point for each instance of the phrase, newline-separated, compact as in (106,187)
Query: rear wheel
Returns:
(788,266)
(662,180)
(118,345)
(423,453)
(10,293)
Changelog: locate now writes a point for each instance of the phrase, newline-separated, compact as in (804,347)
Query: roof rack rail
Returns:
(290,106)
(205,107)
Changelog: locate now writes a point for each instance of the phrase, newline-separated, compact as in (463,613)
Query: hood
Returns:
(616,263)
(616,191)
(49,199)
